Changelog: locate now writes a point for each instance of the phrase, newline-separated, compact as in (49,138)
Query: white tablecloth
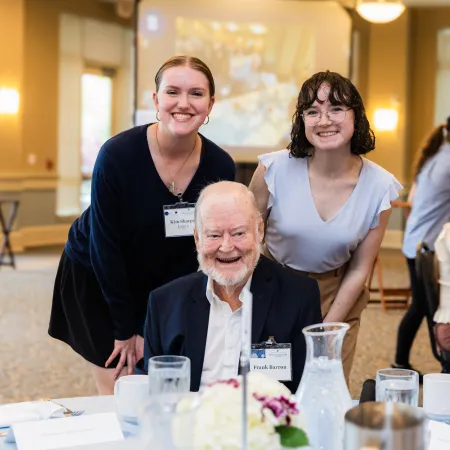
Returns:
(92,405)
(96,405)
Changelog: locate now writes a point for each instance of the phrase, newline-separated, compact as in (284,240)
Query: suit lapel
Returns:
(262,288)
(197,329)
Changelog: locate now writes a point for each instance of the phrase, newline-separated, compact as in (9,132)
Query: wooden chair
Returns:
(390,297)
(6,224)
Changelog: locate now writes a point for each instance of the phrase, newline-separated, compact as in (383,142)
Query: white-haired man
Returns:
(199,315)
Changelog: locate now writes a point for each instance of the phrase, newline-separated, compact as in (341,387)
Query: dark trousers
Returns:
(412,320)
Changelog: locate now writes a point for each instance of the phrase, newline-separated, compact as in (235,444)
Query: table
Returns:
(103,404)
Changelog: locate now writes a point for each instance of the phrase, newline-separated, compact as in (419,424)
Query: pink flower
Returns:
(232,382)
(281,406)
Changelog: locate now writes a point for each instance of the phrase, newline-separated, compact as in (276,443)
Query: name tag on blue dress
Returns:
(179,219)
(272,360)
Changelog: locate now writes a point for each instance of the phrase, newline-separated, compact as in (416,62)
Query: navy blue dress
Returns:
(117,252)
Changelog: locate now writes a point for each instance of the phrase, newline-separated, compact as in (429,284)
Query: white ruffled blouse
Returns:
(297,236)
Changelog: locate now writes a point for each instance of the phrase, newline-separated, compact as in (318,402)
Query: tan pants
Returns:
(329,283)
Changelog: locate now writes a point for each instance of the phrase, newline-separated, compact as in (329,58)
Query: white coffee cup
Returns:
(436,396)
(130,392)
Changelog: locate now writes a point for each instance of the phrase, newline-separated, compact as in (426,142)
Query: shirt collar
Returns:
(211,295)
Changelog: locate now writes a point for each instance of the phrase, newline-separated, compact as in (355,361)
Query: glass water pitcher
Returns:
(323,396)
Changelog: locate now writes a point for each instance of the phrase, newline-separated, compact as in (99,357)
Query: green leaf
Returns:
(292,437)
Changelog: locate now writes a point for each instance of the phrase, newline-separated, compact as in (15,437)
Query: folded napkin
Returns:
(28,412)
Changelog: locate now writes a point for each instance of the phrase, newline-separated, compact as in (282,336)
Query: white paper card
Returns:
(67,432)
(179,219)
(440,435)
(274,362)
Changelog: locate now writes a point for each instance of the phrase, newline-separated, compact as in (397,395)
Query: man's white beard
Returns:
(230,280)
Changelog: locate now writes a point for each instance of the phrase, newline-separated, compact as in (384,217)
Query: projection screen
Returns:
(259,51)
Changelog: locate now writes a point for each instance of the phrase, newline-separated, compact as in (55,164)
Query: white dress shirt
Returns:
(223,341)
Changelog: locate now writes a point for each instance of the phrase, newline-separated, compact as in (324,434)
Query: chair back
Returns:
(426,275)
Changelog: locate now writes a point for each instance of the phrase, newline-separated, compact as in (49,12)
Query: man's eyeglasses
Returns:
(336,115)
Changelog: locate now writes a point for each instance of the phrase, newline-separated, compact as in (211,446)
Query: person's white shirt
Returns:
(223,341)
(442,249)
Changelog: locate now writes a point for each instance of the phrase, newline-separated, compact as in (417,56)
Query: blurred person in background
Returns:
(442,315)
(430,210)
(120,248)
(327,207)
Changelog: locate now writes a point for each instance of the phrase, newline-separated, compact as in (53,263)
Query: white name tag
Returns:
(273,361)
(179,219)
(67,432)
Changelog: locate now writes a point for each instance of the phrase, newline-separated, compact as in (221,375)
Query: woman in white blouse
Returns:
(325,206)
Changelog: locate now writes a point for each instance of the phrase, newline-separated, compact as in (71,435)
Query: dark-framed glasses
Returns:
(313,116)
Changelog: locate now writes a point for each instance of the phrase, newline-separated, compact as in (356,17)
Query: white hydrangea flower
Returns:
(218,423)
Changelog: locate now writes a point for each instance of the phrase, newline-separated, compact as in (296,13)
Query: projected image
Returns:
(259,58)
(256,87)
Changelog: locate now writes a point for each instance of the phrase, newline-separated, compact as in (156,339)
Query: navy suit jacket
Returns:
(284,302)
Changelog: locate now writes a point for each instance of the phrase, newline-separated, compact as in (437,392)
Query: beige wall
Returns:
(426,22)
(29,32)
(11,77)
(40,90)
(29,49)
(361,65)
(388,88)
(383,82)
(403,59)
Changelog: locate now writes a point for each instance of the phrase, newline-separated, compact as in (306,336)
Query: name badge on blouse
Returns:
(179,219)
(272,359)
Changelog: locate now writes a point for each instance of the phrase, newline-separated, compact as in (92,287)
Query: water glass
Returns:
(398,386)
(169,374)
(168,421)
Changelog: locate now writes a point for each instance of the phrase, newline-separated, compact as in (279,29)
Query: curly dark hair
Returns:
(342,92)
(432,146)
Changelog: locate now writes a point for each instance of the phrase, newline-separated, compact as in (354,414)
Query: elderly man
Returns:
(199,315)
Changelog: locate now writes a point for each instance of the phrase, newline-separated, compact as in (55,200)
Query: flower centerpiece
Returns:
(273,419)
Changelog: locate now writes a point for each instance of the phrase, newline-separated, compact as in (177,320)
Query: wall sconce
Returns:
(9,101)
(385,119)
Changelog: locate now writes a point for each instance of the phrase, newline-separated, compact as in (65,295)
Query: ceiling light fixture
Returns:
(380,11)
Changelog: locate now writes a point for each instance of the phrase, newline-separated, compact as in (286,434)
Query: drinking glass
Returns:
(398,386)
(168,421)
(169,374)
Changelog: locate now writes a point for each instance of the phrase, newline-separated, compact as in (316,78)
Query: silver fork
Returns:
(74,413)
(68,412)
